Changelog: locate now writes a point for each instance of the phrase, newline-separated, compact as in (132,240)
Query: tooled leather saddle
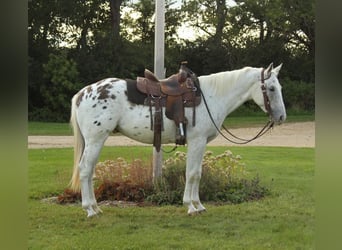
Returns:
(174,93)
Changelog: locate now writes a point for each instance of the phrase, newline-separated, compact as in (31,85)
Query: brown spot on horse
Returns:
(79,98)
(89,89)
(103,91)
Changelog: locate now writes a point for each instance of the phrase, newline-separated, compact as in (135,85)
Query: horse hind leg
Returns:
(92,197)
(87,167)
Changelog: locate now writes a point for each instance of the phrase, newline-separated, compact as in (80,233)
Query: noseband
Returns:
(264,93)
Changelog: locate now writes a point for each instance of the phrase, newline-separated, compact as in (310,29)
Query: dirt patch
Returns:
(288,135)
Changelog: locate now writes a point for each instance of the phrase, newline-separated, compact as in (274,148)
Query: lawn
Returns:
(283,220)
(49,128)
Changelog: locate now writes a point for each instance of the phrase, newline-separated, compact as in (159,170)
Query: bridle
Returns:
(264,93)
(266,128)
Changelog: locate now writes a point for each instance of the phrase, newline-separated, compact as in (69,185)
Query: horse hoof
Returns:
(91,213)
(97,210)
(192,212)
(202,211)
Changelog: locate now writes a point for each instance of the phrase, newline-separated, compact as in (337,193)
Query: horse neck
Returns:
(226,91)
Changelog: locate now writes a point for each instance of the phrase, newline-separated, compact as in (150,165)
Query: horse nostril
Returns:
(281,118)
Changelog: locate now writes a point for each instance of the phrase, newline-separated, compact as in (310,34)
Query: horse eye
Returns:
(272,88)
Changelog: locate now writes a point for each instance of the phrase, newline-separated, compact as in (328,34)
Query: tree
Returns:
(283,29)
(115,17)
(39,21)
(99,39)
(209,16)
(61,75)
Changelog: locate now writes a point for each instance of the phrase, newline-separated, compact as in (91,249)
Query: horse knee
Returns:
(194,176)
(85,174)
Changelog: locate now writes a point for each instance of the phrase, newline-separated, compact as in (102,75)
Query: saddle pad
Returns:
(133,94)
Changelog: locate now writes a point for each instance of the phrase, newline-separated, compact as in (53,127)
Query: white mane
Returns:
(219,83)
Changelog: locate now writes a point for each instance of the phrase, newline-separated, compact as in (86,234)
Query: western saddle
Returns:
(174,93)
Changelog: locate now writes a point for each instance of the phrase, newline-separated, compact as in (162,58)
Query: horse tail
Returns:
(78,146)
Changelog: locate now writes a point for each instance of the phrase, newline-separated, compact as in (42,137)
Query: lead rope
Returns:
(171,150)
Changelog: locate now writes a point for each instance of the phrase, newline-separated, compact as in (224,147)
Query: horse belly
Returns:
(135,123)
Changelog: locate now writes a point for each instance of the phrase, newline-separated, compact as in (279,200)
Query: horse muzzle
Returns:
(279,119)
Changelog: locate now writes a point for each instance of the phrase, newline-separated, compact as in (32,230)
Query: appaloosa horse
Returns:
(102,107)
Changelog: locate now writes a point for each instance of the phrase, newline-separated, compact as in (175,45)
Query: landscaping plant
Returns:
(224,180)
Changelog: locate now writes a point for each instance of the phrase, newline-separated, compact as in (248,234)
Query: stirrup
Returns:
(180,135)
(180,140)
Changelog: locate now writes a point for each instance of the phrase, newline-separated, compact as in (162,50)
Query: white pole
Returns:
(159,70)
(159,39)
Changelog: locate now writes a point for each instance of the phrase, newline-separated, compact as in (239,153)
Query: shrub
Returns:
(69,196)
(117,180)
(169,188)
(299,96)
(120,180)
(224,179)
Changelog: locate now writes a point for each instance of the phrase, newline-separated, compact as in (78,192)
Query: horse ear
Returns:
(277,69)
(268,71)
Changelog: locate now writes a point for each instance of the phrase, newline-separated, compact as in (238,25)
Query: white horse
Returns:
(102,107)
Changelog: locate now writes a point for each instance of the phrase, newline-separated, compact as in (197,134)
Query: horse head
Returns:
(267,94)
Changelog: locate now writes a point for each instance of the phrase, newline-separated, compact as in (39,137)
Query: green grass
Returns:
(283,220)
(260,121)
(50,128)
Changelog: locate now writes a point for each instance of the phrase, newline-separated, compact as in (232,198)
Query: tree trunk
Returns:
(262,32)
(115,15)
(82,42)
(221,13)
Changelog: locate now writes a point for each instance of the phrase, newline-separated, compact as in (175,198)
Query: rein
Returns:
(266,128)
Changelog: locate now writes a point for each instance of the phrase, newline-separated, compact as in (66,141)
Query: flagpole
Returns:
(159,70)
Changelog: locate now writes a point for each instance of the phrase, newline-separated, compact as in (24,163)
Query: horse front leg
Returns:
(195,196)
(196,149)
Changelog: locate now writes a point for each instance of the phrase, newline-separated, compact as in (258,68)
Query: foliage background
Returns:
(74,43)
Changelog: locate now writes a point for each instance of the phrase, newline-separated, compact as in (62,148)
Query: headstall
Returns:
(264,93)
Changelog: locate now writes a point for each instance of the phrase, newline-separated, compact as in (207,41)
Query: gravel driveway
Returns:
(288,134)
